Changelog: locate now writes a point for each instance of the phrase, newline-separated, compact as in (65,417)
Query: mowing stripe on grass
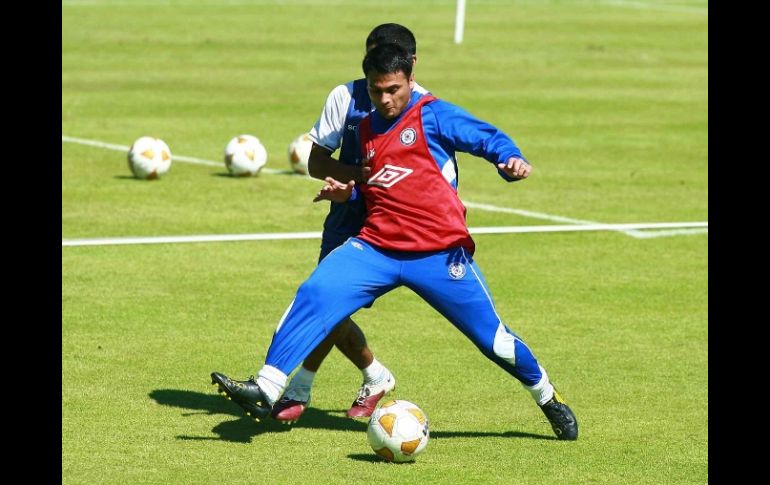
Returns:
(316,235)
(549,217)
(468,204)
(656,6)
(174,158)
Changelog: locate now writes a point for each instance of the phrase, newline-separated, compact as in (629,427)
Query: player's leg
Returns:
(314,360)
(350,340)
(453,284)
(352,276)
(377,379)
(296,398)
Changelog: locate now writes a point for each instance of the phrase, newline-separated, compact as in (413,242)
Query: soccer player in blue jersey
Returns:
(337,128)
(414,235)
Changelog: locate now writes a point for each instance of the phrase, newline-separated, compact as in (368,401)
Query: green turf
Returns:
(608,100)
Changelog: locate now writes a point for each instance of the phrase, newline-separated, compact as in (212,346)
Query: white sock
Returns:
(542,392)
(272,382)
(374,373)
(303,378)
(299,386)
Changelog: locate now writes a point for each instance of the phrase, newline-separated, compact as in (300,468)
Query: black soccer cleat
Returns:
(561,417)
(245,394)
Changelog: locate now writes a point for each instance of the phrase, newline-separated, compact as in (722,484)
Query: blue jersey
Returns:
(336,128)
(346,219)
(459,132)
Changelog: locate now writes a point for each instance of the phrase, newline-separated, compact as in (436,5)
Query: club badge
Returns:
(408,136)
(456,271)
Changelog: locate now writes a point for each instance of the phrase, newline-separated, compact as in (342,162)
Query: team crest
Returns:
(370,154)
(456,271)
(408,136)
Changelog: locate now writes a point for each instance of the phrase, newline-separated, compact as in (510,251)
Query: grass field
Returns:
(608,99)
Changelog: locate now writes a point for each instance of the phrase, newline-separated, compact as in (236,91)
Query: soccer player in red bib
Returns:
(337,129)
(414,235)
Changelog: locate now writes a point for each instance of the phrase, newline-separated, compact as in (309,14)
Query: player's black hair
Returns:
(392,34)
(388,58)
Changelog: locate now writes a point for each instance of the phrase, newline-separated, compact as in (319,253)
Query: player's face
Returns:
(390,93)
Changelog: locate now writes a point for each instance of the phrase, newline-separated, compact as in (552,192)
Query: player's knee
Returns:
(344,326)
(311,290)
(353,338)
(340,331)
(504,345)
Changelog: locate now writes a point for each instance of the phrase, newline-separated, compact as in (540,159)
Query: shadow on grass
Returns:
(372,458)
(481,434)
(129,177)
(242,429)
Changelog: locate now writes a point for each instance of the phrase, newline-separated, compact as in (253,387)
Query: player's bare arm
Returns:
(321,165)
(335,191)
(516,167)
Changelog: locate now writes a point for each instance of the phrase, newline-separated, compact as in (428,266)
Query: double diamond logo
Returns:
(389,175)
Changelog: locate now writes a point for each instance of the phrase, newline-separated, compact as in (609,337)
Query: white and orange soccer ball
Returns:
(245,156)
(398,431)
(149,158)
(299,153)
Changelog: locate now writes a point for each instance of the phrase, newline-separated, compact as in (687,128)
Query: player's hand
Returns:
(335,191)
(366,172)
(366,168)
(516,167)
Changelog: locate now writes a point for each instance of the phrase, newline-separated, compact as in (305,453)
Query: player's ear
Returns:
(411,81)
(414,60)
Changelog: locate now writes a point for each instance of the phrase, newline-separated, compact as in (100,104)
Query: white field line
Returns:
(549,217)
(525,213)
(276,236)
(316,235)
(670,232)
(174,158)
(472,205)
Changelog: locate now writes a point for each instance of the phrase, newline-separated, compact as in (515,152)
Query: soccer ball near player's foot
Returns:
(398,431)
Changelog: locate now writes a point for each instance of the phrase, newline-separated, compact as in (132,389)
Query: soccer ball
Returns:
(398,431)
(245,156)
(299,152)
(149,158)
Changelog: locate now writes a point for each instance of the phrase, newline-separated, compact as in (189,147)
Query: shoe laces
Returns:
(363,393)
(241,384)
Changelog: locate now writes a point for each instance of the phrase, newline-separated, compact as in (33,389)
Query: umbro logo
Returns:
(389,175)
